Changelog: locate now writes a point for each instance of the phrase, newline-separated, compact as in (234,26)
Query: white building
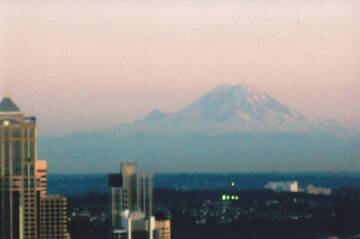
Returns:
(311,189)
(134,225)
(290,186)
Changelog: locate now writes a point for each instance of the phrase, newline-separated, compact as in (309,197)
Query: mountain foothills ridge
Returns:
(230,129)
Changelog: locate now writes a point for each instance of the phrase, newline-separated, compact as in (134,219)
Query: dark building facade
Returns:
(53,217)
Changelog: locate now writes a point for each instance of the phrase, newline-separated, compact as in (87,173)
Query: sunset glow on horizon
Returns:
(108,62)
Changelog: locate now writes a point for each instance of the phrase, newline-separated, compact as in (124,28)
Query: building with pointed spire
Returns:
(19,199)
(26,212)
(7,106)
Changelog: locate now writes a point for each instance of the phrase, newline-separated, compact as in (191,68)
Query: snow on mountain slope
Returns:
(228,109)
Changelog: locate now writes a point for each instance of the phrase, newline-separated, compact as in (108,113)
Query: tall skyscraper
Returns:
(136,189)
(25,210)
(132,193)
(19,199)
(129,186)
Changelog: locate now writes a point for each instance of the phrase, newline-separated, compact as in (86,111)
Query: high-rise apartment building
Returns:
(19,200)
(41,177)
(53,218)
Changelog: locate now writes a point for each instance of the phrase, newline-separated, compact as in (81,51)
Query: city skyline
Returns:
(179,119)
(306,55)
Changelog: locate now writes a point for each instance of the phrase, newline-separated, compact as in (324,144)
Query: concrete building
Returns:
(291,186)
(163,229)
(41,177)
(19,199)
(53,219)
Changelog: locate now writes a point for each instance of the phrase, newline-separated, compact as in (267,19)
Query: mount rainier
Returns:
(230,129)
(228,109)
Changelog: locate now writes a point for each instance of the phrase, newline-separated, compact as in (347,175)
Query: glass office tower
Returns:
(19,200)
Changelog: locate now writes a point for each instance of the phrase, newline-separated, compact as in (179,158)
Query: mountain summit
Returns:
(230,129)
(227,109)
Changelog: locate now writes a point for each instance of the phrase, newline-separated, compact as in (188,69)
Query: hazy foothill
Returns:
(230,129)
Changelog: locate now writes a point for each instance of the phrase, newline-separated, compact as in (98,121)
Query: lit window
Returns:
(6,123)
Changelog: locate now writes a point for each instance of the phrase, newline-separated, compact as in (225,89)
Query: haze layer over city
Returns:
(117,69)
(179,119)
(109,62)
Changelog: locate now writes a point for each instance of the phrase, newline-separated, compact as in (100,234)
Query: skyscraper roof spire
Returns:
(8,106)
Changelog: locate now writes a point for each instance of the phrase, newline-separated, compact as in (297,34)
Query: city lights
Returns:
(228,197)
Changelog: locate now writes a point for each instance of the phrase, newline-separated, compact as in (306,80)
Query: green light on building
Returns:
(226,197)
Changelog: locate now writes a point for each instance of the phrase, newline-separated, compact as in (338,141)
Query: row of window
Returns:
(15,153)
(17,132)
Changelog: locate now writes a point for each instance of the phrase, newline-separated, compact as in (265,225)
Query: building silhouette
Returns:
(134,225)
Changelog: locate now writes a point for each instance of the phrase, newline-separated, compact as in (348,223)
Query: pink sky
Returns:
(90,64)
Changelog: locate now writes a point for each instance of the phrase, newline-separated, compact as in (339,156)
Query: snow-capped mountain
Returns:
(227,109)
(230,129)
